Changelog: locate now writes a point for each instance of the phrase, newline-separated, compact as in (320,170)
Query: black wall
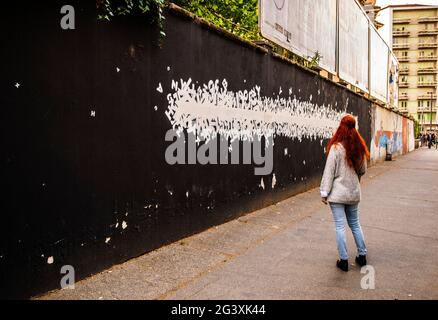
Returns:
(68,177)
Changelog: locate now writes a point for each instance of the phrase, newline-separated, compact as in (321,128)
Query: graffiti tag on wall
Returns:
(212,109)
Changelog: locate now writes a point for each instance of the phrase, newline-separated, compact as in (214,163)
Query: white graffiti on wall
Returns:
(212,109)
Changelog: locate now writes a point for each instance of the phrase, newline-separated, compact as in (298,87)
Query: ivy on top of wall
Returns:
(152,8)
(237,16)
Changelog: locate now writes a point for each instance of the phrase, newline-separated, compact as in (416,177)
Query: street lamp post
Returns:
(422,120)
(431,102)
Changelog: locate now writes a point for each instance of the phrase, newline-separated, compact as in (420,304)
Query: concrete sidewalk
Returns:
(288,250)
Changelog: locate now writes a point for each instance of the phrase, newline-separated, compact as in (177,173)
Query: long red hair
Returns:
(355,146)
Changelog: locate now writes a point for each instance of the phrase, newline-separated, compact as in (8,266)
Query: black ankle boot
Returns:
(342,264)
(361,260)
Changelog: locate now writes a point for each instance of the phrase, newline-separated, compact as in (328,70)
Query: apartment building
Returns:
(415,42)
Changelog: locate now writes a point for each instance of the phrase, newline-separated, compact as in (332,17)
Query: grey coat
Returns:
(340,183)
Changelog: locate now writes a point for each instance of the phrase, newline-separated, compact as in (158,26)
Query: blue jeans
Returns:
(340,211)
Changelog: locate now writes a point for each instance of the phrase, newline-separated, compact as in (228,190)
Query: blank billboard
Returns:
(302,26)
(393,80)
(379,53)
(353,44)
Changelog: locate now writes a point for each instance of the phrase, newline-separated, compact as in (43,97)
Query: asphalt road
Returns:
(288,250)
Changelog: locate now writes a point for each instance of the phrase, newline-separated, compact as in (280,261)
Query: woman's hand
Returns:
(324,200)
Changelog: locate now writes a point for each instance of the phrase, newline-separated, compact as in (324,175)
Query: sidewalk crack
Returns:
(400,232)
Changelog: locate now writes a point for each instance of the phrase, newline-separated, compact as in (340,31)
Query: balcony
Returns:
(426,70)
(427,32)
(404,59)
(403,96)
(400,45)
(401,20)
(426,109)
(403,85)
(426,84)
(427,45)
(427,58)
(427,19)
(427,97)
(404,71)
(401,33)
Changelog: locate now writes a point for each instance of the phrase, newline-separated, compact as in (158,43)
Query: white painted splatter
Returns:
(304,162)
(107,239)
(262,184)
(117,69)
(280,91)
(212,109)
(117,225)
(168,68)
(50,260)
(285,151)
(244,80)
(187,194)
(17,85)
(93,113)
(274,181)
(160,88)
(319,92)
(155,108)
(124,225)
(290,91)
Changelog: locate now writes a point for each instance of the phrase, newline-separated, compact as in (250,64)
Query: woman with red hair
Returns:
(347,156)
